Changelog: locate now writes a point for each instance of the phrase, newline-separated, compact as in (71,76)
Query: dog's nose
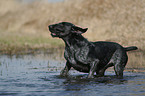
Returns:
(50,26)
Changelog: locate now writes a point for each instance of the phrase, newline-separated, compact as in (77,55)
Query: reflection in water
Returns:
(78,83)
(39,75)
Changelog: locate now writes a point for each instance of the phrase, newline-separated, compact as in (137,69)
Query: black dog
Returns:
(86,56)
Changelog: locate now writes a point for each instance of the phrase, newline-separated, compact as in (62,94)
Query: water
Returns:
(38,75)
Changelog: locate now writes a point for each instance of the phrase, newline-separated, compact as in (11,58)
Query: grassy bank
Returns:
(15,43)
(24,26)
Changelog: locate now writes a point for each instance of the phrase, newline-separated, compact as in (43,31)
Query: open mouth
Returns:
(53,35)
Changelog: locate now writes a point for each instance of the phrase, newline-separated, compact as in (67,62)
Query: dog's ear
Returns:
(79,30)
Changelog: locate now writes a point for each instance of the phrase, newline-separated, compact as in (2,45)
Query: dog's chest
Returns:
(76,55)
(69,54)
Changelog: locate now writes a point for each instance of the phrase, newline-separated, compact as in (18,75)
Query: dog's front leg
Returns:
(93,68)
(64,72)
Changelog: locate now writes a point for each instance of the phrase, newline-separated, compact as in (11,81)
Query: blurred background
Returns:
(23,24)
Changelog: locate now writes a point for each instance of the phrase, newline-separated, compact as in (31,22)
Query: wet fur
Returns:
(86,56)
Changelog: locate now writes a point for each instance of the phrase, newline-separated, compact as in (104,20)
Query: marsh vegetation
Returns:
(23,26)
(31,60)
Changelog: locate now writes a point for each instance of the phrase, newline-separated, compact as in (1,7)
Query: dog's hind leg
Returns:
(119,68)
(120,60)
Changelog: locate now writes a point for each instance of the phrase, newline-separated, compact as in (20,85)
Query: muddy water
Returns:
(38,75)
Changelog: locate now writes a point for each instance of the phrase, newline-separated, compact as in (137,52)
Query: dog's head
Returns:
(64,29)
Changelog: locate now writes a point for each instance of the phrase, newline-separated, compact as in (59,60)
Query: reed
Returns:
(121,21)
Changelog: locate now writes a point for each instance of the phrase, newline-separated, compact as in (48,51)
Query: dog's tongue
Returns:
(53,33)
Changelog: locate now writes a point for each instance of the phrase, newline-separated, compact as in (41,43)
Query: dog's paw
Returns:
(90,76)
(64,74)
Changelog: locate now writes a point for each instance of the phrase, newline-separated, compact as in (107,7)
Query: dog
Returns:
(86,56)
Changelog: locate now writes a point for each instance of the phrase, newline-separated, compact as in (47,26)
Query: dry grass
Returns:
(122,21)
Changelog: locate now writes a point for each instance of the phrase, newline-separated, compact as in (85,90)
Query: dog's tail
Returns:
(130,48)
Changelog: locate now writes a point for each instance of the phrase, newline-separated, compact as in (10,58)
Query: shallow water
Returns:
(37,75)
